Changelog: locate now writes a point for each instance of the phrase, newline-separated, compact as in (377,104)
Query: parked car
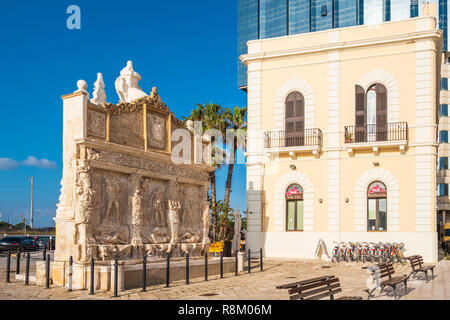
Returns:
(13,243)
(44,241)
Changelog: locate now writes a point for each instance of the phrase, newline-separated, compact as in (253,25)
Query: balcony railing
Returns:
(286,139)
(395,131)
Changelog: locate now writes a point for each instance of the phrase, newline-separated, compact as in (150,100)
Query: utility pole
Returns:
(31,209)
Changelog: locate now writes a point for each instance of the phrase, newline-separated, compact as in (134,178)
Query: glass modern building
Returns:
(261,19)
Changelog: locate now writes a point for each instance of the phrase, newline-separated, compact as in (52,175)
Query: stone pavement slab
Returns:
(255,286)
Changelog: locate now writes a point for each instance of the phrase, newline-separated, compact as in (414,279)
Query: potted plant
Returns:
(348,137)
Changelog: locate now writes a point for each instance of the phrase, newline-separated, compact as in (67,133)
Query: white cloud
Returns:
(11,164)
(43,163)
(8,164)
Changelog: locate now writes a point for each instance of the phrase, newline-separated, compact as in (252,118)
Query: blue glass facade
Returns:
(248,29)
(443,110)
(261,19)
(443,136)
(299,16)
(444,83)
(443,23)
(273,18)
(321,15)
(345,13)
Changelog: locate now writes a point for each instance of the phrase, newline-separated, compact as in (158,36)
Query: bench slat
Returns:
(326,294)
(313,285)
(325,289)
(318,288)
(302,282)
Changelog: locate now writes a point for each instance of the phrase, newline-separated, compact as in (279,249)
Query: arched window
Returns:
(295,119)
(371,113)
(294,208)
(377,207)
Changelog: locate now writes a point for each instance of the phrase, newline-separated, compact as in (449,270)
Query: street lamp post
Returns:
(32,196)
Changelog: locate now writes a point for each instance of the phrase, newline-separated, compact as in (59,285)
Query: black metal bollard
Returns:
(70,273)
(168,271)
(187,268)
(18,261)
(91,291)
(8,266)
(236,263)
(27,269)
(144,273)
(116,277)
(248,261)
(44,253)
(261,259)
(206,266)
(221,264)
(47,272)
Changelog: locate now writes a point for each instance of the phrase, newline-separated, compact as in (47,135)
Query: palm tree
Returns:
(211,116)
(236,124)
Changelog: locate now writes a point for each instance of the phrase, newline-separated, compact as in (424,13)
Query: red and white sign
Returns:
(293,191)
(376,189)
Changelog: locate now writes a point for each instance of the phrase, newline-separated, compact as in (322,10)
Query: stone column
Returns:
(74,127)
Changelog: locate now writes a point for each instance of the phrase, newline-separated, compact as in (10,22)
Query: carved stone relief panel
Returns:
(127,129)
(96,124)
(111,227)
(156,131)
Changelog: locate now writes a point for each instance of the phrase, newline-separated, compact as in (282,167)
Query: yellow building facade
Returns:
(342,138)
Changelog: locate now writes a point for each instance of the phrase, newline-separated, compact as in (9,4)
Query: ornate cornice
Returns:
(153,102)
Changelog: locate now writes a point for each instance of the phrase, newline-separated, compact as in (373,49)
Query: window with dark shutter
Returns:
(381,112)
(295,119)
(360,114)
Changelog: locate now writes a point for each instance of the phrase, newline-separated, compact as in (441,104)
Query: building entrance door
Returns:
(295,215)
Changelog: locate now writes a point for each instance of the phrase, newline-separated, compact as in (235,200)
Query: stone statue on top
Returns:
(127,84)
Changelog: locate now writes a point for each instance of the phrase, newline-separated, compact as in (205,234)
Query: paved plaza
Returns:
(255,286)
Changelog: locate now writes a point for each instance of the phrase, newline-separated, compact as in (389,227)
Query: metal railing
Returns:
(395,131)
(93,264)
(285,139)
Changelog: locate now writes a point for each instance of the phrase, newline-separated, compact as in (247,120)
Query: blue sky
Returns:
(188,49)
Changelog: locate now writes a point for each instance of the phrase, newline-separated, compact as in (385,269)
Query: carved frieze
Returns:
(150,165)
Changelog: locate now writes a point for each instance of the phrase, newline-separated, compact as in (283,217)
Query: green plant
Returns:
(348,136)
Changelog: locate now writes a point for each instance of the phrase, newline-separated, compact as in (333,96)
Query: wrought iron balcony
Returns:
(289,139)
(395,131)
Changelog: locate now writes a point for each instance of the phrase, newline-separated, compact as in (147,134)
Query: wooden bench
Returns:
(418,266)
(316,288)
(302,282)
(387,278)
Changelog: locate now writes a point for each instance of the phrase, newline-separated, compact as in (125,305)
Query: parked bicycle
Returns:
(368,252)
